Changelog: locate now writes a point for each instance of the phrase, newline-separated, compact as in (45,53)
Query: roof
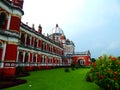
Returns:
(83,53)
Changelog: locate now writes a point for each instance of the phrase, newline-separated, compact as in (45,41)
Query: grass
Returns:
(57,79)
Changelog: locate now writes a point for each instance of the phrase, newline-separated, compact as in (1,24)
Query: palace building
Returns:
(22,45)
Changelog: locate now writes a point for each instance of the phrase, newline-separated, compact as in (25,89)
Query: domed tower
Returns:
(57,34)
(10,20)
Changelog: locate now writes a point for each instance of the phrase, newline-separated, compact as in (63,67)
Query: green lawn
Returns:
(57,79)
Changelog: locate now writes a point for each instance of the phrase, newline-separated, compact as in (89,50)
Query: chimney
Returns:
(40,29)
(26,23)
(18,3)
(33,26)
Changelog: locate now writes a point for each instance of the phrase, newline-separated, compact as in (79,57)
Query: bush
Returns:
(72,66)
(67,70)
(106,72)
(20,72)
(89,77)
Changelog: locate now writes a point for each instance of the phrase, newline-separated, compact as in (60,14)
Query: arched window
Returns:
(35,43)
(41,59)
(26,57)
(34,58)
(2,19)
(22,38)
(20,57)
(43,44)
(28,40)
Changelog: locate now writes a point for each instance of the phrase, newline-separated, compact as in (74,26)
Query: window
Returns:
(2,19)
(34,58)
(0,44)
(26,57)
(35,43)
(28,40)
(20,57)
(22,38)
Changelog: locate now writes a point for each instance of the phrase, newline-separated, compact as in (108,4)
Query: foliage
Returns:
(19,70)
(73,66)
(67,70)
(106,72)
(89,76)
(93,59)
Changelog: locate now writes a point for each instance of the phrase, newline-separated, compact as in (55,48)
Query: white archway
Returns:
(81,62)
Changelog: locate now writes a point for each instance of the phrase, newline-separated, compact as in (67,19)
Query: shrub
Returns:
(89,77)
(20,72)
(67,70)
(72,66)
(106,72)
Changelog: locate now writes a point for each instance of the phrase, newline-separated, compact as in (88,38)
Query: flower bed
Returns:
(105,72)
(10,83)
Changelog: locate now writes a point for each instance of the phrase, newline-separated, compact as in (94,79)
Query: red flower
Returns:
(101,76)
(97,73)
(118,63)
(115,79)
(109,71)
(113,58)
(91,79)
(94,64)
(115,73)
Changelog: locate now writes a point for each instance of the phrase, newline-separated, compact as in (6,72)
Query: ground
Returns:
(57,79)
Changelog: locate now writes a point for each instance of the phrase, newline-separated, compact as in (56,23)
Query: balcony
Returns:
(9,33)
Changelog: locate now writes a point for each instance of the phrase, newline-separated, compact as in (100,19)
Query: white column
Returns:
(32,56)
(25,38)
(3,54)
(29,59)
(23,57)
(36,60)
(43,59)
(36,57)
(17,58)
(8,24)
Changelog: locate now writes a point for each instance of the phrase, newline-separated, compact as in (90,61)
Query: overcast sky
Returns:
(91,24)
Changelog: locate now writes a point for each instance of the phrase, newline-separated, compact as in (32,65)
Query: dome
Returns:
(57,30)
